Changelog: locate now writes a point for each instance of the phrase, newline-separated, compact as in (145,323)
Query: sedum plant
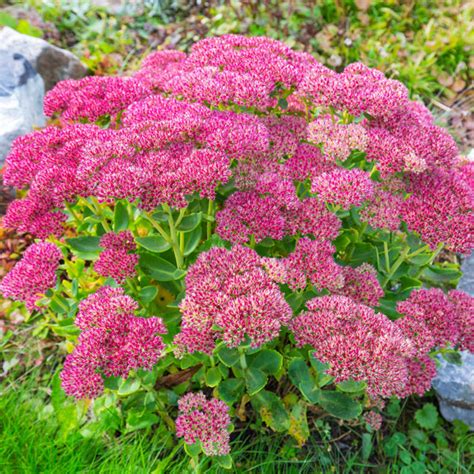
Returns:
(241,233)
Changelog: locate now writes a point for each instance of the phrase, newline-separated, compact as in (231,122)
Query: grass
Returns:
(33,440)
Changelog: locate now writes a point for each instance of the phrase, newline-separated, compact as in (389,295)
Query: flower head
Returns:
(230,296)
(33,275)
(206,421)
(113,342)
(356,342)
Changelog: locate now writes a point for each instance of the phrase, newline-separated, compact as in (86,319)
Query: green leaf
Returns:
(159,268)
(301,378)
(268,361)
(121,219)
(191,240)
(192,450)
(449,273)
(255,380)
(148,294)
(228,356)
(364,252)
(153,243)
(351,386)
(427,417)
(213,377)
(138,420)
(271,409)
(225,461)
(299,429)
(128,386)
(231,390)
(189,223)
(367,446)
(340,405)
(86,247)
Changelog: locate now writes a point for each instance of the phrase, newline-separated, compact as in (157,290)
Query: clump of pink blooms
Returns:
(436,317)
(115,260)
(312,262)
(33,275)
(188,123)
(357,343)
(231,297)
(113,342)
(205,421)
(373,419)
(272,209)
(361,284)
(344,188)
(337,140)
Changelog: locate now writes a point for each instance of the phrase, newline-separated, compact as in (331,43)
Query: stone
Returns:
(467,280)
(52,63)
(454,384)
(21,99)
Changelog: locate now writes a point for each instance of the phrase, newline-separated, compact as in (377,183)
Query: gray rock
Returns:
(52,63)
(454,385)
(467,280)
(21,99)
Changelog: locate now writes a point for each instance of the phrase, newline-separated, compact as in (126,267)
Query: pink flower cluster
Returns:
(361,284)
(440,208)
(205,421)
(358,90)
(357,343)
(312,262)
(229,70)
(433,318)
(337,140)
(272,209)
(113,342)
(343,187)
(116,261)
(92,97)
(33,275)
(230,296)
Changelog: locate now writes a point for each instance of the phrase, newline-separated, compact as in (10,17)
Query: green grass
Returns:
(33,440)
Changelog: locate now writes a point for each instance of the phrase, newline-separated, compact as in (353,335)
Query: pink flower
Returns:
(343,187)
(440,208)
(438,314)
(204,421)
(92,97)
(464,310)
(312,262)
(383,210)
(116,261)
(33,275)
(357,343)
(337,140)
(373,419)
(113,342)
(361,284)
(229,296)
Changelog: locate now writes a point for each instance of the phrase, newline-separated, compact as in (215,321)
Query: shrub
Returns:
(242,225)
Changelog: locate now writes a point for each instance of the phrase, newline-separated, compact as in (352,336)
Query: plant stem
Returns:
(158,227)
(243,360)
(210,213)
(74,214)
(174,237)
(396,266)
(99,212)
